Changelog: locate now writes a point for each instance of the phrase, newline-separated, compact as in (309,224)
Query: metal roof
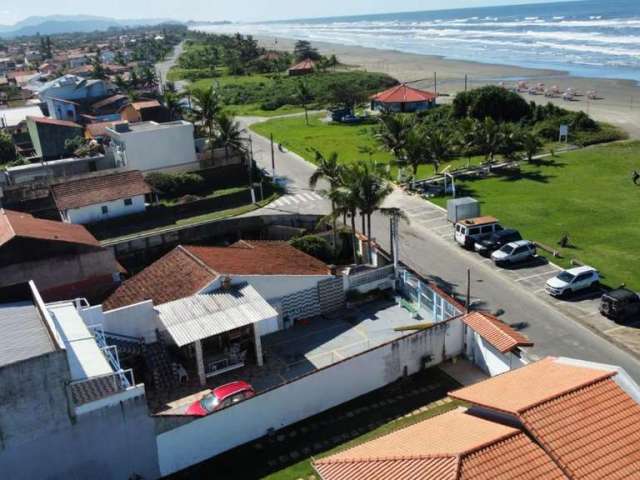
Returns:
(23,333)
(208,314)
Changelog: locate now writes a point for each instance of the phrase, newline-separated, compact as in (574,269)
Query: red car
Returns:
(221,397)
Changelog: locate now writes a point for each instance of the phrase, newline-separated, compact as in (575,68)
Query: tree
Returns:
(120,83)
(439,145)
(374,188)
(303,50)
(415,151)
(206,107)
(7,148)
(466,138)
(304,96)
(531,145)
(347,199)
(229,135)
(347,96)
(329,169)
(172,102)
(490,138)
(392,132)
(98,69)
(498,103)
(313,245)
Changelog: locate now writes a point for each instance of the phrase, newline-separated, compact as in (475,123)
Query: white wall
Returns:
(488,358)
(137,320)
(169,147)
(273,287)
(93,213)
(202,439)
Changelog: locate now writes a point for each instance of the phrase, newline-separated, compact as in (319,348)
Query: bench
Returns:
(410,307)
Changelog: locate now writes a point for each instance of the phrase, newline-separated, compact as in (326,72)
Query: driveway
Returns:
(557,327)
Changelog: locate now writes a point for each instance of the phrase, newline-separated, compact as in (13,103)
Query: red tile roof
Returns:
(145,104)
(99,189)
(403,94)
(306,64)
(108,101)
(22,225)
(259,258)
(497,333)
(53,121)
(176,275)
(98,129)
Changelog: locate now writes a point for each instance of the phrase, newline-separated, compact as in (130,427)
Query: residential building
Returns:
(64,259)
(145,111)
(107,56)
(74,88)
(557,418)
(6,65)
(76,60)
(151,146)
(305,67)
(110,105)
(403,98)
(52,170)
(101,197)
(49,136)
(68,409)
(13,118)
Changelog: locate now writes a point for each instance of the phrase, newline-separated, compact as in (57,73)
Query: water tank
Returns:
(461,208)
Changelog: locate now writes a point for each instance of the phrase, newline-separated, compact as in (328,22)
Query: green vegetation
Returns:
(7,148)
(303,469)
(587,194)
(175,184)
(313,245)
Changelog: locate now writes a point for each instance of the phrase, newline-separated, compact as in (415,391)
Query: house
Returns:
(76,60)
(13,119)
(151,146)
(6,65)
(50,170)
(145,111)
(558,418)
(61,109)
(289,279)
(68,408)
(107,56)
(493,345)
(49,136)
(110,105)
(97,131)
(71,87)
(403,98)
(64,259)
(305,67)
(101,197)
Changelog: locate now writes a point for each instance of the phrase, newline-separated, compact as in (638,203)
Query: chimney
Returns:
(226,282)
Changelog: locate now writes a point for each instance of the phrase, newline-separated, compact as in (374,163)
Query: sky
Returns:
(12,11)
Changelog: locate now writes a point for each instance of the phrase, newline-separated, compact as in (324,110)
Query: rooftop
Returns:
(497,333)
(149,126)
(99,189)
(12,117)
(403,94)
(108,101)
(306,64)
(53,121)
(146,104)
(23,225)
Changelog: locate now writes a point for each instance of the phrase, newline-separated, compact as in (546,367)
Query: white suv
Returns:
(572,280)
(514,252)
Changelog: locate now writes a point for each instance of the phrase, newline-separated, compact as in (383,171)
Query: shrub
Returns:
(313,245)
(175,185)
(7,148)
(497,103)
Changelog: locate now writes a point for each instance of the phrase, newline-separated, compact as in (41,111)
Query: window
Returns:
(128,202)
(105,209)
(487,229)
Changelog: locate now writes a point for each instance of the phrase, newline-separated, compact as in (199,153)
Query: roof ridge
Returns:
(386,458)
(3,213)
(195,258)
(491,443)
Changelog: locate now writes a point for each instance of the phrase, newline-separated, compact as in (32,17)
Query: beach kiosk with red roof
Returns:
(305,67)
(403,98)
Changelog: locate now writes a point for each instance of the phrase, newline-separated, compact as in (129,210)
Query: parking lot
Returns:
(532,276)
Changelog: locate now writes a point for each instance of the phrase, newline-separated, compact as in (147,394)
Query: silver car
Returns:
(514,252)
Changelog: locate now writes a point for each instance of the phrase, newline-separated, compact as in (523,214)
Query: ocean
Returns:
(593,38)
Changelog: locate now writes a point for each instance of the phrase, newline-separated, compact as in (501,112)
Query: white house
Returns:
(71,88)
(101,197)
(107,56)
(151,146)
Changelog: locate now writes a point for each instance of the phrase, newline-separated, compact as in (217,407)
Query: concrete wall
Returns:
(488,358)
(273,287)
(40,437)
(60,270)
(137,320)
(204,438)
(115,209)
(170,147)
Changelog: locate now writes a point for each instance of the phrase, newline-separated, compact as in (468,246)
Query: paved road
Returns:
(426,247)
(163,67)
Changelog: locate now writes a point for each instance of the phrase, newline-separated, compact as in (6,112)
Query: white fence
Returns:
(427,298)
(309,395)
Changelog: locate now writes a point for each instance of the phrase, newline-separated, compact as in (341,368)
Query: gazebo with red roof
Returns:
(305,67)
(403,98)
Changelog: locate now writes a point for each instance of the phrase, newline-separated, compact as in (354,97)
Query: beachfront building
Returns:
(403,98)
(305,67)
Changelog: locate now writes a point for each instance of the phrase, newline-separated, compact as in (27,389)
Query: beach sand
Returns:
(618,103)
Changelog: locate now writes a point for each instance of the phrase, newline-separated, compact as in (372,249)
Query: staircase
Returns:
(126,344)
(159,364)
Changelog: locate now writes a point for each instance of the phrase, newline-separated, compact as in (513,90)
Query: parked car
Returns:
(496,241)
(221,397)
(472,230)
(572,280)
(514,252)
(620,304)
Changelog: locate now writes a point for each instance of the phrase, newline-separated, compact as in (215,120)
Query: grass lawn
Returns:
(329,137)
(586,193)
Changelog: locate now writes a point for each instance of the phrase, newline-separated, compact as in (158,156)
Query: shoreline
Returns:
(618,103)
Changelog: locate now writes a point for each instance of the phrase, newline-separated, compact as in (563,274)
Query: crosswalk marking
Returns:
(296,198)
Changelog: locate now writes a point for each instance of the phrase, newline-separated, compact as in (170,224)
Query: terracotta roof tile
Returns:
(306,64)
(496,332)
(99,189)
(98,129)
(593,432)
(403,93)
(145,104)
(544,380)
(259,258)
(430,468)
(53,121)
(108,101)
(174,276)
(17,224)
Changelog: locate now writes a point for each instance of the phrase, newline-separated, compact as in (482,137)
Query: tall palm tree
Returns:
(531,145)
(304,96)
(207,107)
(490,138)
(439,146)
(229,135)
(329,169)
(392,132)
(348,199)
(172,102)
(466,138)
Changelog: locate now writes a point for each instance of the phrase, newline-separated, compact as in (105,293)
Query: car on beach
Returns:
(498,239)
(572,280)
(514,252)
(221,397)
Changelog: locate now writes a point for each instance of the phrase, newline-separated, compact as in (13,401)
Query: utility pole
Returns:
(273,160)
(253,193)
(435,83)
(466,81)
(468,305)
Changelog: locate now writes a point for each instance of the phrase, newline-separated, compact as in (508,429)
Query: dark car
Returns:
(497,240)
(620,304)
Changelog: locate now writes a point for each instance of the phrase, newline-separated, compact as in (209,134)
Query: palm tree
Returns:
(229,135)
(511,141)
(207,107)
(467,138)
(172,102)
(531,145)
(304,96)
(439,146)
(348,199)
(329,169)
(392,132)
(415,151)
(490,138)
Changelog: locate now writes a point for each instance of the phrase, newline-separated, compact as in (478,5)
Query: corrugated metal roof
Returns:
(23,334)
(206,315)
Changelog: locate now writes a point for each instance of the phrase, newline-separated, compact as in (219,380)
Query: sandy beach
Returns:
(618,103)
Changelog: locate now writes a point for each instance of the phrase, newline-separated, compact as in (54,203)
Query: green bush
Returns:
(7,149)
(496,102)
(175,185)
(313,245)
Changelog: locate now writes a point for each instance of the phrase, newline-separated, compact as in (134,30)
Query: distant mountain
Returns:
(53,24)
